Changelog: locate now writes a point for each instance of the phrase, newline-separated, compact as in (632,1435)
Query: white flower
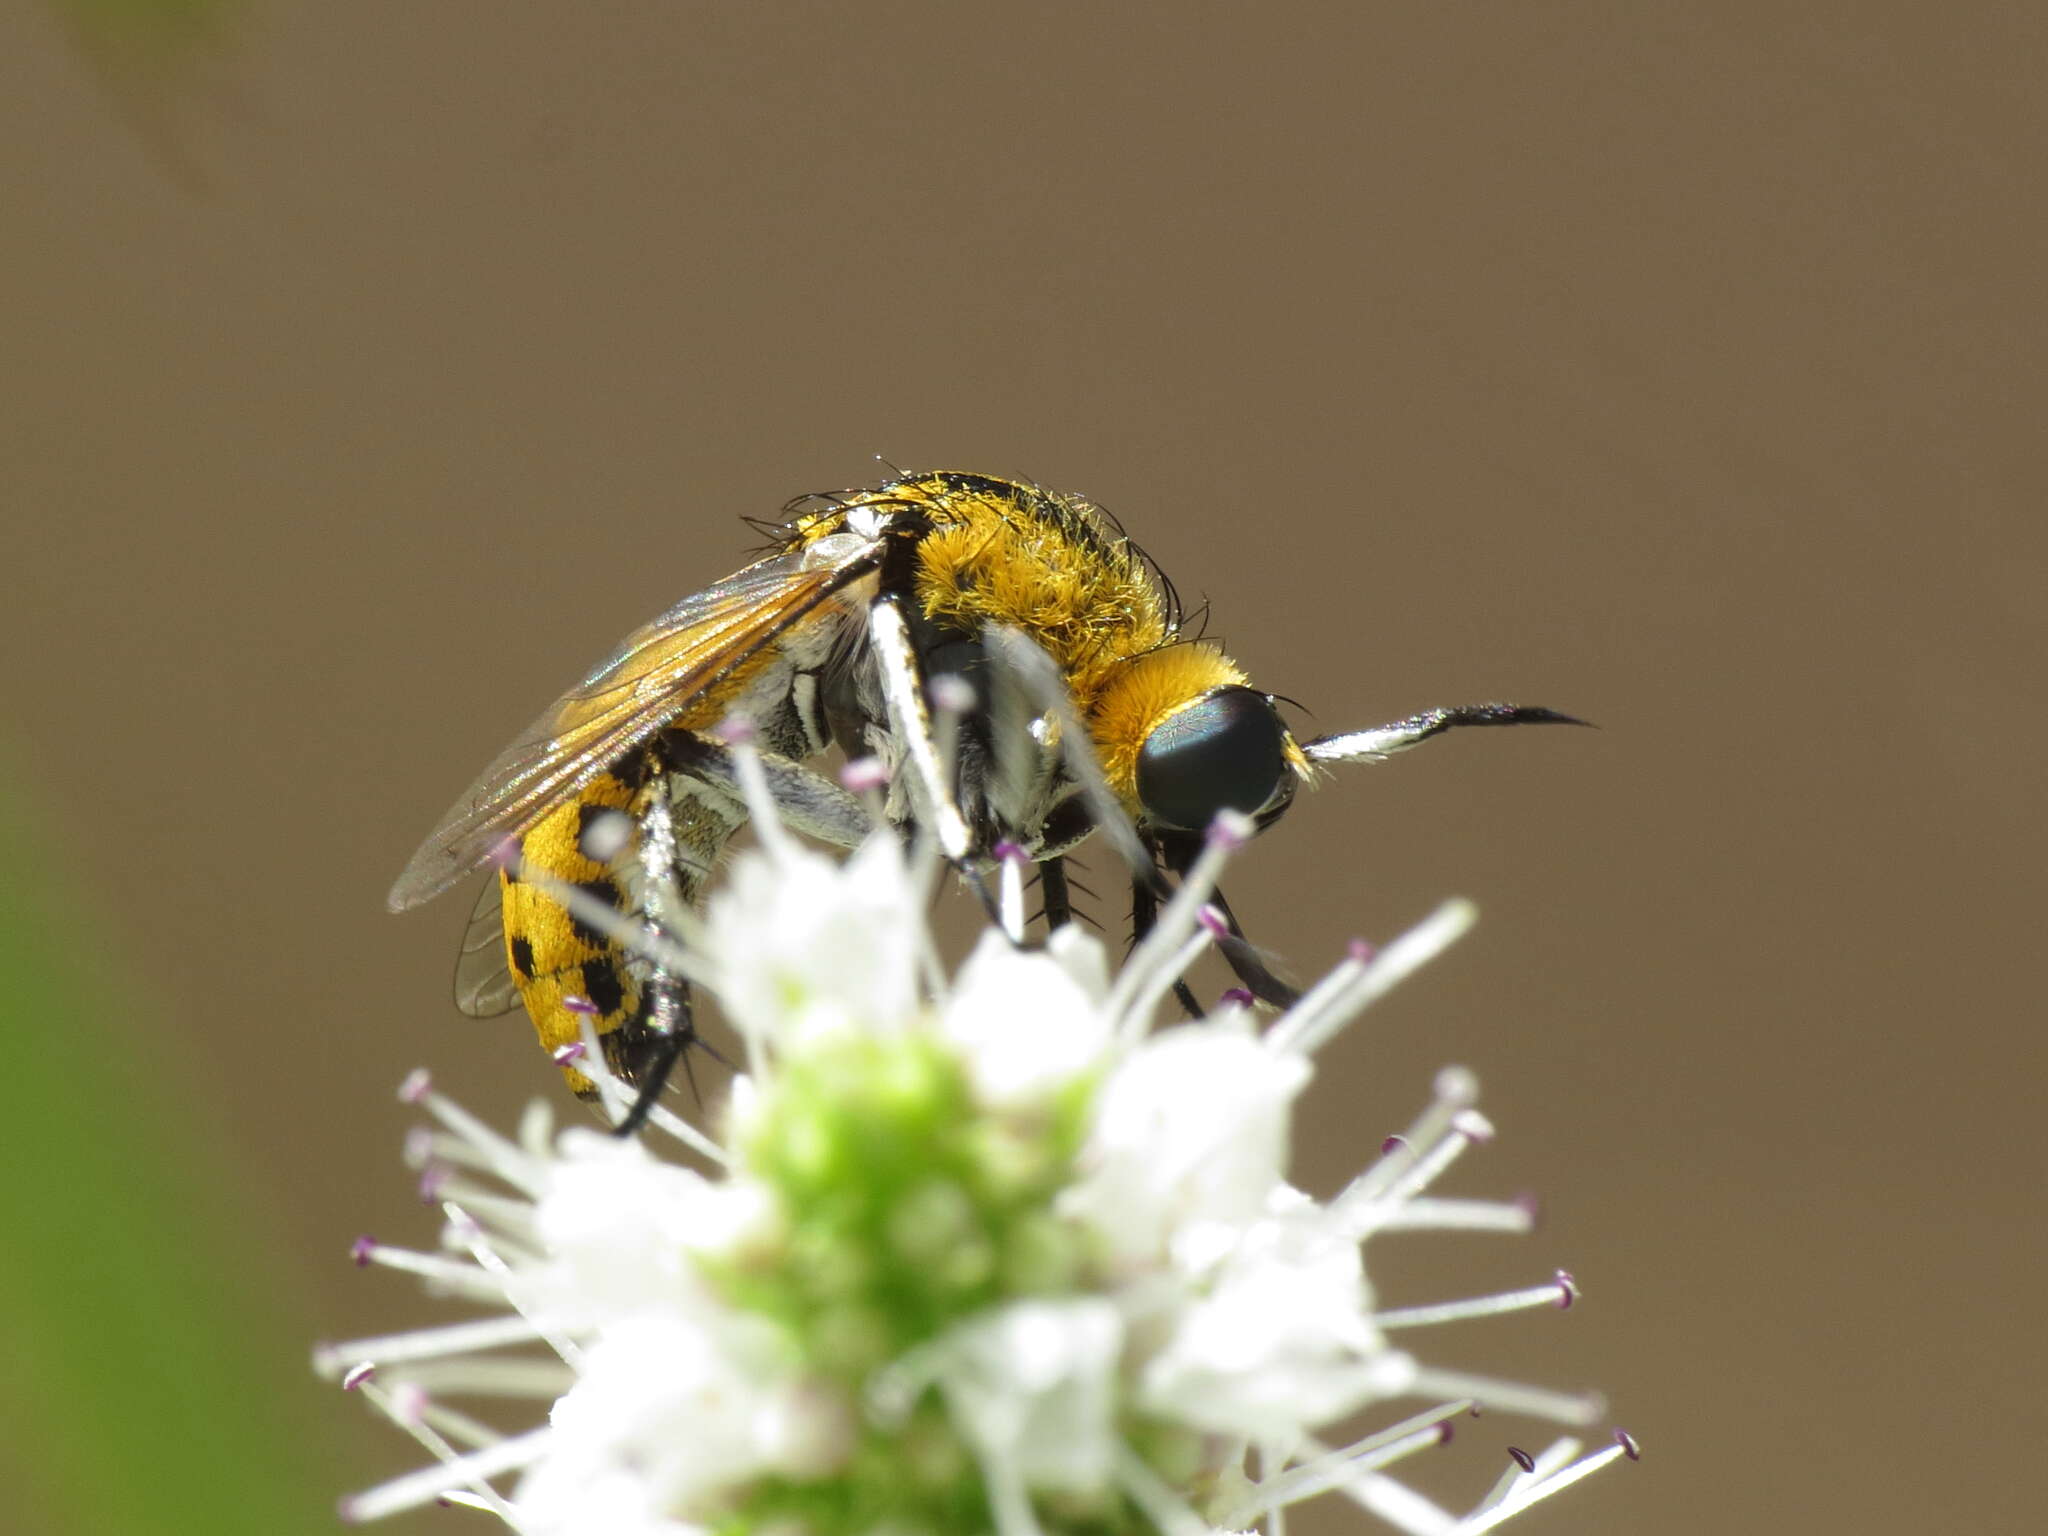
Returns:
(1189,1136)
(801,944)
(1033,1385)
(980,1254)
(1278,1335)
(1025,1027)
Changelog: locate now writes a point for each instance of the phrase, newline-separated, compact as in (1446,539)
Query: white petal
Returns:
(1191,1128)
(624,1231)
(803,945)
(1279,1340)
(1033,1385)
(1023,1022)
(687,1409)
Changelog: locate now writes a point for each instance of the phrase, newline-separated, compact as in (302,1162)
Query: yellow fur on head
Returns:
(1143,693)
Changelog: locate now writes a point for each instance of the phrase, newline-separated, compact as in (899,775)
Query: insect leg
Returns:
(1245,963)
(1052,886)
(1179,851)
(911,722)
(807,802)
(664,1029)
(1144,908)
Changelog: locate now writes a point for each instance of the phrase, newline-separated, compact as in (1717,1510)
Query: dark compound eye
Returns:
(1225,750)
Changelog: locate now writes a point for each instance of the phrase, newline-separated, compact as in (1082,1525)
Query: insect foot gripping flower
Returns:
(987,1254)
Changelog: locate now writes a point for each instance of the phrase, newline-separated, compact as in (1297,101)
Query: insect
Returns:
(1095,711)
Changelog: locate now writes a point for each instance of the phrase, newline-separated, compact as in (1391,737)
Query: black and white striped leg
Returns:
(664,1030)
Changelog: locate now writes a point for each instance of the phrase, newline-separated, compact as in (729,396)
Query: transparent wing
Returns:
(655,674)
(483,982)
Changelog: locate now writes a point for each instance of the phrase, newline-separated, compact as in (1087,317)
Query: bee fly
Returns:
(1116,720)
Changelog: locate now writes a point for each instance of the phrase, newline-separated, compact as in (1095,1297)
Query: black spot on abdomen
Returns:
(601,986)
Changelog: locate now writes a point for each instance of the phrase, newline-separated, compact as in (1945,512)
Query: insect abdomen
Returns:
(555,958)
(564,966)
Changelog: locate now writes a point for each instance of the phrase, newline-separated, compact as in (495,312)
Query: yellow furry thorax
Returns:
(1050,564)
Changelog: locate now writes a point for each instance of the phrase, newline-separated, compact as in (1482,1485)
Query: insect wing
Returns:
(645,683)
(484,987)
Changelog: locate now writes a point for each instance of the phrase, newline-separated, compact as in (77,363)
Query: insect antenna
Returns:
(1399,735)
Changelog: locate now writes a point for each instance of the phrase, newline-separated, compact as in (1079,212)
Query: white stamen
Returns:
(1436,1214)
(428,1483)
(500,1156)
(425,1343)
(449,1276)
(1477,1306)
(1332,1469)
(1010,897)
(755,791)
(635,935)
(1154,956)
(1400,1506)
(1386,970)
(1198,1293)
(488,1376)
(1499,1396)
(1161,1505)
(1527,1491)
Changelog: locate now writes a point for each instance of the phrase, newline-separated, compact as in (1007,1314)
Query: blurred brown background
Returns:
(1679,367)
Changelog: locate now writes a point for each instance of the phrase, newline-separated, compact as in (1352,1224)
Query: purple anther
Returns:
(1628,1445)
(1521,1458)
(581,1005)
(1472,1125)
(951,694)
(360,1250)
(1392,1145)
(1567,1290)
(417,1085)
(358,1375)
(1009,851)
(1213,922)
(567,1055)
(864,774)
(432,1178)
(504,853)
(1235,997)
(1444,1432)
(1231,830)
(1530,1205)
(419,1147)
(1360,952)
(736,731)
